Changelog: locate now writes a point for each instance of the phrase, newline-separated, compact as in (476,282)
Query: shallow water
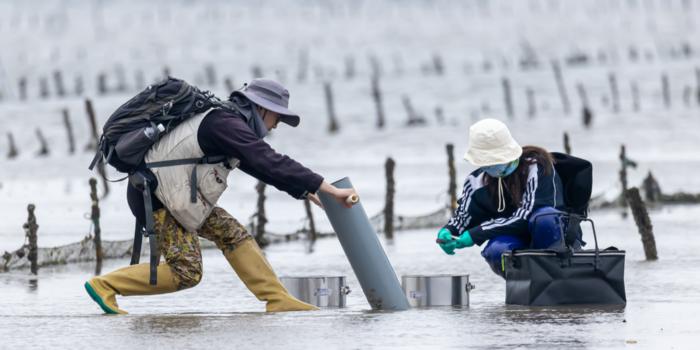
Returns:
(662,303)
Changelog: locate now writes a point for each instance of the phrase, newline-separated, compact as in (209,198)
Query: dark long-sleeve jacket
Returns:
(227,134)
(478,213)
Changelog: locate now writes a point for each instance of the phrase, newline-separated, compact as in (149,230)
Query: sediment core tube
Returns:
(366,255)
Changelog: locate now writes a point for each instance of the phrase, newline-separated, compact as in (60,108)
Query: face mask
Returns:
(502,170)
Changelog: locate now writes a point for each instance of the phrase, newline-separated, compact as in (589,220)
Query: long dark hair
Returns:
(514,183)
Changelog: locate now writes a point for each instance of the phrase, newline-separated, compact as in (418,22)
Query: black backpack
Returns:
(137,125)
(140,122)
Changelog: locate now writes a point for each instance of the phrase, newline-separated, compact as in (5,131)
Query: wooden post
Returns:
(260,216)
(69,131)
(256,71)
(438,65)
(12,153)
(561,87)
(652,190)
(389,206)
(375,66)
(377,97)
(312,223)
(120,76)
(641,218)
(413,118)
(439,115)
(43,88)
(614,93)
(92,145)
(30,229)
(452,173)
(22,83)
(624,164)
(102,84)
(333,126)
(79,87)
(44,150)
(58,83)
(666,89)
(531,102)
(567,146)
(95,217)
(507,97)
(587,115)
(635,96)
(166,72)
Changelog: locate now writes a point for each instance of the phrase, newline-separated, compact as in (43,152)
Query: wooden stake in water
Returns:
(587,116)
(58,83)
(389,204)
(69,131)
(567,145)
(22,84)
(624,164)
(666,90)
(377,97)
(507,97)
(44,150)
(635,96)
(95,217)
(452,174)
(102,84)
(312,223)
(260,216)
(558,76)
(333,126)
(30,229)
(641,218)
(12,152)
(92,145)
(652,190)
(531,102)
(413,118)
(697,86)
(228,82)
(614,93)
(210,72)
(43,88)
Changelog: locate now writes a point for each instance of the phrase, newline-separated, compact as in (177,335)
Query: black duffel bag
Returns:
(562,276)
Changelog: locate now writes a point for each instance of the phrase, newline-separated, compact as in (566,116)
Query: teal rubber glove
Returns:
(464,240)
(446,241)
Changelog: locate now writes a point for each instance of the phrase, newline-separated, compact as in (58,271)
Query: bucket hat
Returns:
(490,143)
(272,96)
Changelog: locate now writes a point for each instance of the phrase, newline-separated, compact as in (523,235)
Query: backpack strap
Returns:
(193,174)
(141,182)
(138,238)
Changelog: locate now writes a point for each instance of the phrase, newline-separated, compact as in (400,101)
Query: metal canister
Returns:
(437,290)
(322,291)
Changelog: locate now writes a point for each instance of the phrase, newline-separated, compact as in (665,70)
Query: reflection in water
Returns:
(33,284)
(161,324)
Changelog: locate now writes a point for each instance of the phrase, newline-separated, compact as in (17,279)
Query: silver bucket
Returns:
(322,291)
(437,290)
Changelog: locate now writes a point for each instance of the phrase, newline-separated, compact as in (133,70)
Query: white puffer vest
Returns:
(174,181)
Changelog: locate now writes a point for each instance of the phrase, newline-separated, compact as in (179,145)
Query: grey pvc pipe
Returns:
(367,258)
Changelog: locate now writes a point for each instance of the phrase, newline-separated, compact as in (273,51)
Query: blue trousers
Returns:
(544,233)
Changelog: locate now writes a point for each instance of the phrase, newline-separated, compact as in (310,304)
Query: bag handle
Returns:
(566,249)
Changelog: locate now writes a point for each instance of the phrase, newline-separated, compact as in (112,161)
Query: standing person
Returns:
(178,221)
(508,200)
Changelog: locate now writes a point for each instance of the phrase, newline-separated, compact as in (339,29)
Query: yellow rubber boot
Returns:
(257,274)
(130,280)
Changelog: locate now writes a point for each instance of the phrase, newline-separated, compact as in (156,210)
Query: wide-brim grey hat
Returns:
(272,96)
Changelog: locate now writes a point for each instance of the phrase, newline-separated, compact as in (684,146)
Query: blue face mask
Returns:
(501,170)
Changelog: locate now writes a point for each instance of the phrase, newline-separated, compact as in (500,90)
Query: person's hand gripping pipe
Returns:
(346,196)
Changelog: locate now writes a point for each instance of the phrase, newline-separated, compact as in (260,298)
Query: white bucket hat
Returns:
(490,143)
